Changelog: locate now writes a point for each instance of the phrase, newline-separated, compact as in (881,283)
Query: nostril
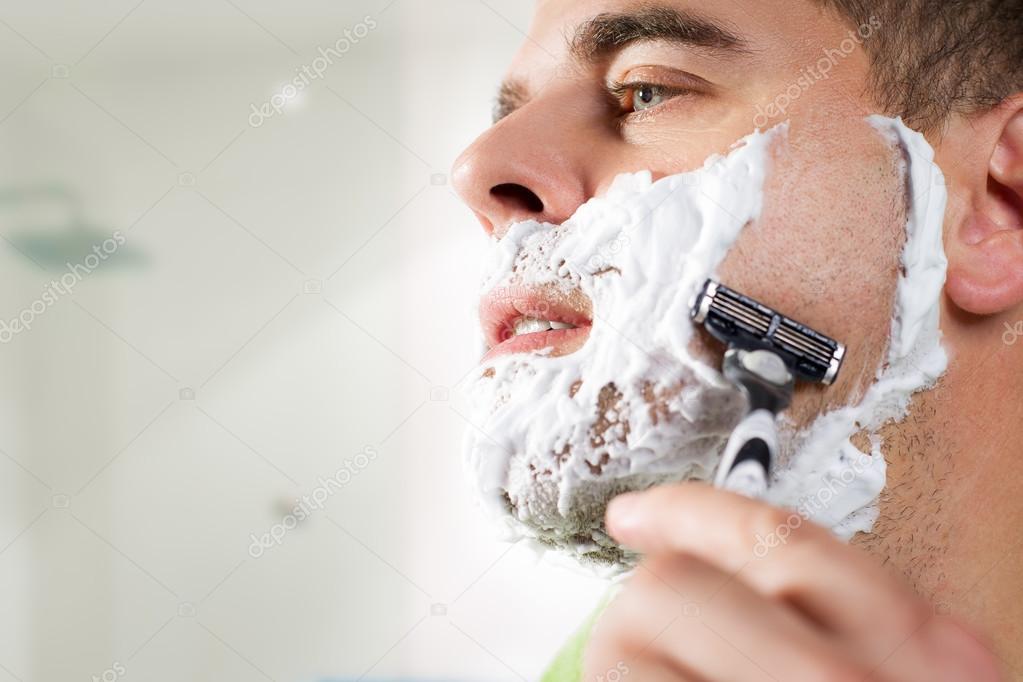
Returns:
(520,196)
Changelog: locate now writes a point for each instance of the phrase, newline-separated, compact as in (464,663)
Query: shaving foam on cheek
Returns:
(828,480)
(556,438)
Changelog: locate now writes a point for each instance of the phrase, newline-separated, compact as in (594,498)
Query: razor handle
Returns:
(749,455)
(766,353)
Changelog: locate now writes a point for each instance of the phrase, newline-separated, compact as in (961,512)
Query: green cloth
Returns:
(568,664)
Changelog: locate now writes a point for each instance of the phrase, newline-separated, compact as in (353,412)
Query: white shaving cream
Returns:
(555,438)
(828,479)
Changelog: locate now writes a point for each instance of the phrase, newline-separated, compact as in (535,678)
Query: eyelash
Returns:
(623,93)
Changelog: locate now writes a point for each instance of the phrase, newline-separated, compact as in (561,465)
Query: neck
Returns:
(952,510)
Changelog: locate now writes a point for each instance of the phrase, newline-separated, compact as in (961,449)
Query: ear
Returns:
(985,249)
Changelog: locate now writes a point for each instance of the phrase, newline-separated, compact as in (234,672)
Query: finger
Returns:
(645,670)
(713,627)
(617,650)
(779,554)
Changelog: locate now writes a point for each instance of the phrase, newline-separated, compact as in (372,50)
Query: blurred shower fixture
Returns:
(57,233)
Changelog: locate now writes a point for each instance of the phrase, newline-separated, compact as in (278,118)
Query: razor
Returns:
(767,353)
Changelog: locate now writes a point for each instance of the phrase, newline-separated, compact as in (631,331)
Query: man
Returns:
(935,591)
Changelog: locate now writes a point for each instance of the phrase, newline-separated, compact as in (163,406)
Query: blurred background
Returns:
(235,316)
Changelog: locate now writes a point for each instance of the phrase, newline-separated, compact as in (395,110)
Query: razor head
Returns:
(740,322)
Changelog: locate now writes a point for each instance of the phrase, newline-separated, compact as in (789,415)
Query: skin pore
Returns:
(603,87)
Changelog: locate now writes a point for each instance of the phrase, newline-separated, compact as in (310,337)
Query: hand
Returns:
(733,590)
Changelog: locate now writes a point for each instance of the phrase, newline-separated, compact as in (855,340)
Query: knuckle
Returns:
(770,528)
(801,550)
(774,579)
(765,521)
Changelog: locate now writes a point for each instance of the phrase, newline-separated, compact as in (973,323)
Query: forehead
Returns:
(778,29)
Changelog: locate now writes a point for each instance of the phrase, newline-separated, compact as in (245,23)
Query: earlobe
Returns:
(985,274)
(988,277)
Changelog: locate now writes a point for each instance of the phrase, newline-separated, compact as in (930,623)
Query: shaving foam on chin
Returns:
(554,439)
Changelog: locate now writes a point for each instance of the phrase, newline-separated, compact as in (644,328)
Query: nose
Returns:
(522,169)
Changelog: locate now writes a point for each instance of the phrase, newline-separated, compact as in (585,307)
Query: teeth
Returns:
(527,325)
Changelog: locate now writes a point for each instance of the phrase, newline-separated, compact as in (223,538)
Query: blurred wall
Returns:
(232,339)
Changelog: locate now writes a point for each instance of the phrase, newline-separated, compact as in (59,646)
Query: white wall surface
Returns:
(286,296)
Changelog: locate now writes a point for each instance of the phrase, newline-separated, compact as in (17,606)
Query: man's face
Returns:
(606,87)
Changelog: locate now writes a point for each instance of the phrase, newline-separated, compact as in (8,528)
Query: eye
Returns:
(636,98)
(647,97)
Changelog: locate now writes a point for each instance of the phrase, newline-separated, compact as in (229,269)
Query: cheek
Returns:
(826,250)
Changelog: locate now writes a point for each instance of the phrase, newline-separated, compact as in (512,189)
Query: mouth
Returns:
(534,319)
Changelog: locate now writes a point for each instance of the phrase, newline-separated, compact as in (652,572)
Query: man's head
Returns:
(607,87)
(937,58)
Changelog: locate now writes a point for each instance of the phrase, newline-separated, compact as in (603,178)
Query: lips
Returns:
(522,319)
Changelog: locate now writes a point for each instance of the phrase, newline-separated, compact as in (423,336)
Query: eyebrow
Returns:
(511,95)
(605,34)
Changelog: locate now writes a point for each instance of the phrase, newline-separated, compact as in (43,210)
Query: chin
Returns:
(548,458)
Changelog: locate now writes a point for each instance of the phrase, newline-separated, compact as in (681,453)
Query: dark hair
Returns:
(934,58)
